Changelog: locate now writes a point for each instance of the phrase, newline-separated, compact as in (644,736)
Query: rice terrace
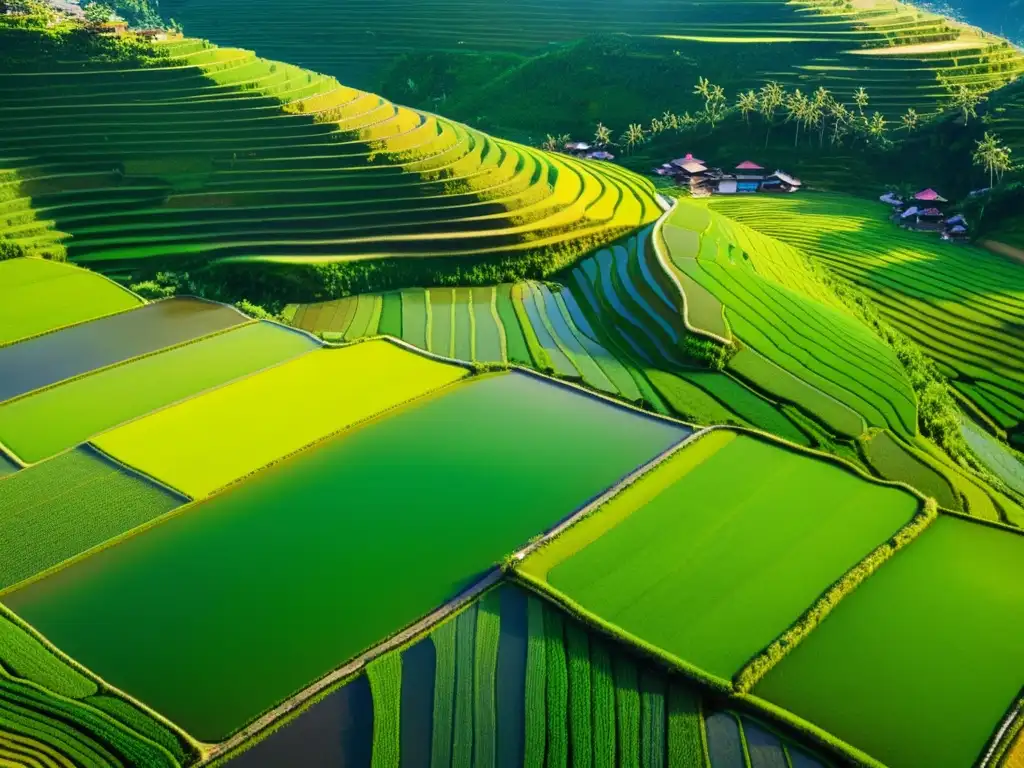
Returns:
(497,383)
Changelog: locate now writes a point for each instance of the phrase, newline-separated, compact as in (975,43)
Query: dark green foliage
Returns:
(253,310)
(580,740)
(26,45)
(557,690)
(9,249)
(713,354)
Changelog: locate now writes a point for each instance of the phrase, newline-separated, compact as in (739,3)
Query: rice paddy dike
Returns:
(213,155)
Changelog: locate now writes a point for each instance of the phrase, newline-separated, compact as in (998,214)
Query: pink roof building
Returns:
(748,165)
(688,158)
(930,195)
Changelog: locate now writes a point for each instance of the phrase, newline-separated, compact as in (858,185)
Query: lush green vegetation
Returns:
(359,510)
(64,507)
(209,441)
(296,186)
(960,305)
(49,421)
(37,296)
(54,715)
(710,565)
(911,666)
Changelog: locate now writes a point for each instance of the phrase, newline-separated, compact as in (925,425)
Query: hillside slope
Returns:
(215,155)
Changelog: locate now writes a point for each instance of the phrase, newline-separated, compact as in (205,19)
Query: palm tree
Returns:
(747,103)
(550,144)
(657,126)
(634,135)
(687,121)
(703,88)
(842,118)
(878,127)
(822,107)
(910,120)
(966,100)
(994,156)
(602,135)
(769,99)
(861,99)
(796,111)
(716,105)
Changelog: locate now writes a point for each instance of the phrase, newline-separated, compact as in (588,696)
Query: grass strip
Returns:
(488,633)
(580,734)
(444,694)
(536,674)
(652,719)
(27,658)
(627,711)
(759,666)
(602,698)
(385,676)
(465,640)
(557,690)
(685,731)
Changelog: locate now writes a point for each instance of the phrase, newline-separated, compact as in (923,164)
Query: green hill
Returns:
(214,155)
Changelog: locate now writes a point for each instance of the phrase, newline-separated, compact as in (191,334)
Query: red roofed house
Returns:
(930,196)
(749,176)
(748,165)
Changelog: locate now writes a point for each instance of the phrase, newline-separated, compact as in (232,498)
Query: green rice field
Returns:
(41,693)
(214,154)
(65,506)
(474,691)
(545,441)
(37,296)
(75,411)
(709,565)
(918,665)
(962,305)
(209,441)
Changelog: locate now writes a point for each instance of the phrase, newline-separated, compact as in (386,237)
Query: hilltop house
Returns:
(929,196)
(747,178)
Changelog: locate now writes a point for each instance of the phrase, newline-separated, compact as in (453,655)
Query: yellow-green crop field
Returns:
(212,440)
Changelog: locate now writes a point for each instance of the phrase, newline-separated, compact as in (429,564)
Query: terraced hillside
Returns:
(893,49)
(215,155)
(963,306)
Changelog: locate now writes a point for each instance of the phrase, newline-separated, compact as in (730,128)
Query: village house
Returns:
(747,178)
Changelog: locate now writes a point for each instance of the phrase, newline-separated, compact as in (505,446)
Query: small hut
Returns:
(930,218)
(957,234)
(576,148)
(116,28)
(601,155)
(780,181)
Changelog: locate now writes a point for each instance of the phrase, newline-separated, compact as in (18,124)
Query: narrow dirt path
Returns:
(1003,249)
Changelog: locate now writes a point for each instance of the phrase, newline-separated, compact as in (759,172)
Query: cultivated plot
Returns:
(65,506)
(207,442)
(347,542)
(47,422)
(717,552)
(73,351)
(38,295)
(918,665)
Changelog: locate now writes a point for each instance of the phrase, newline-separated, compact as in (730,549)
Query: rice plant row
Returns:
(571,697)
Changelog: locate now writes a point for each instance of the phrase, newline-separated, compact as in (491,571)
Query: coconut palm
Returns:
(822,101)
(550,144)
(966,100)
(796,107)
(703,88)
(602,135)
(769,99)
(747,103)
(657,126)
(634,135)
(842,121)
(910,120)
(993,156)
(861,99)
(877,127)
